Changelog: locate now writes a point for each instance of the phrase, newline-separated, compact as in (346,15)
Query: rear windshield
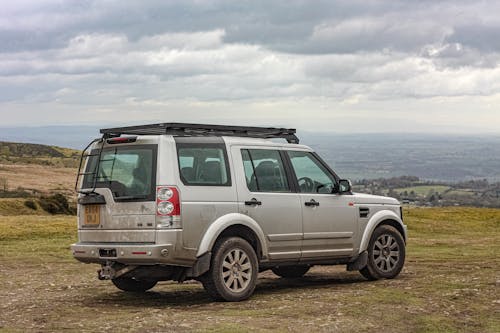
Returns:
(128,171)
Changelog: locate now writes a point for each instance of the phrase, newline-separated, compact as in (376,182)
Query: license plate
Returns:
(92,215)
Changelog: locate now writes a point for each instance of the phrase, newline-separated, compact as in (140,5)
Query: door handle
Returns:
(253,202)
(311,203)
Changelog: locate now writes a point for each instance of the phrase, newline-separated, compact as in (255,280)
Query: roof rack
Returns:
(181,129)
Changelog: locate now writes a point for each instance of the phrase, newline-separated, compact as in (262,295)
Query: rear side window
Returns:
(264,171)
(203,164)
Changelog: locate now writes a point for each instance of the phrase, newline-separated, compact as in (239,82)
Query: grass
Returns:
(16,207)
(423,190)
(449,284)
(464,193)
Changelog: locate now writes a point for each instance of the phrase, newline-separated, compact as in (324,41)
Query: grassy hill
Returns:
(32,172)
(30,153)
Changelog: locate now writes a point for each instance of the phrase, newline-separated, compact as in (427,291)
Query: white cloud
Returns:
(286,63)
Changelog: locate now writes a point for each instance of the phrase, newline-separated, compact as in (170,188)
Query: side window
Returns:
(264,170)
(312,176)
(203,165)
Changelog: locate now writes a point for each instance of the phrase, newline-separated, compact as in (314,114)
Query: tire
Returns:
(132,285)
(291,272)
(233,271)
(386,254)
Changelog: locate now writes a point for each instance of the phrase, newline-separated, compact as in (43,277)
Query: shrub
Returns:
(56,204)
(30,204)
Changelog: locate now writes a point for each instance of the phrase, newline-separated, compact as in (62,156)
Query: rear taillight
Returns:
(168,207)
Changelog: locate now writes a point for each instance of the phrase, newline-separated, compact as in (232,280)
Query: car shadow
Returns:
(272,285)
(192,294)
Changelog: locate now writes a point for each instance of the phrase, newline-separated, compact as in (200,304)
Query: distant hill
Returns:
(29,153)
(32,170)
(66,136)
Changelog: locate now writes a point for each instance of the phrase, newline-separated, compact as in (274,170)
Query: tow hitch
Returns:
(108,272)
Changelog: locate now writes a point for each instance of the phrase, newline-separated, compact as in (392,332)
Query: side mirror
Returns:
(344,186)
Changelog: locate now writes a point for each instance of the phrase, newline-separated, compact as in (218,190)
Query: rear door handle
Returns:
(253,202)
(311,203)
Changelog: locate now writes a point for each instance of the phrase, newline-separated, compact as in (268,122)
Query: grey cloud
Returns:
(107,55)
(303,27)
(477,35)
(295,27)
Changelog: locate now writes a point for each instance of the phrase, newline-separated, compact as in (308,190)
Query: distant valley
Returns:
(418,169)
(429,157)
(449,158)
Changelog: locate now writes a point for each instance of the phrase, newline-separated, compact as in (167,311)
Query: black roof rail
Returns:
(181,129)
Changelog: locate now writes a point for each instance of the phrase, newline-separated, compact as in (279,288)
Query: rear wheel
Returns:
(291,271)
(233,272)
(386,254)
(132,285)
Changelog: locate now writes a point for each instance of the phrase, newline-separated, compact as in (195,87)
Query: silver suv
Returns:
(220,204)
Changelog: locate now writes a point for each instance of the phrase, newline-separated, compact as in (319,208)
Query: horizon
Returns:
(97,127)
(437,157)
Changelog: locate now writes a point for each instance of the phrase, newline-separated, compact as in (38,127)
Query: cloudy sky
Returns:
(341,66)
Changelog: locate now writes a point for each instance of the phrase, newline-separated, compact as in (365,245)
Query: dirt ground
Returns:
(450,283)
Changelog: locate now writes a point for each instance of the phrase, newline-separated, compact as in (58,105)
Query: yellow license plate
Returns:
(92,215)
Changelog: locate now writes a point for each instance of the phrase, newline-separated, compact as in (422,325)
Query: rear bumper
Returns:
(167,250)
(140,254)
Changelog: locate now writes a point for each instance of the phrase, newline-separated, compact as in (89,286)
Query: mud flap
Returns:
(201,266)
(360,262)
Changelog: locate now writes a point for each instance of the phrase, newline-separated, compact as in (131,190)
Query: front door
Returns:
(264,194)
(329,221)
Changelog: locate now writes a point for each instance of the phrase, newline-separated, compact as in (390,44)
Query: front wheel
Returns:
(133,285)
(386,254)
(233,272)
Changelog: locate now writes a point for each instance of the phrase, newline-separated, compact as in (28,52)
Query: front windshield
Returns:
(128,171)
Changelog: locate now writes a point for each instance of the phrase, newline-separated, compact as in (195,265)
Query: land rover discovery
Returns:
(220,204)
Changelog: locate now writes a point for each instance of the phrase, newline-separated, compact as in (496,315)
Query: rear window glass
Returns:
(128,171)
(203,164)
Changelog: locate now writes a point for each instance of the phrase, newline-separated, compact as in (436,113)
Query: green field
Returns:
(450,283)
(423,190)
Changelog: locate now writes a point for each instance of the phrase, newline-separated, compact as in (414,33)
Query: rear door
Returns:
(329,221)
(126,178)
(265,194)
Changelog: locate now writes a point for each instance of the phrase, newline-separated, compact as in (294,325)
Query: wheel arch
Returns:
(383,217)
(235,224)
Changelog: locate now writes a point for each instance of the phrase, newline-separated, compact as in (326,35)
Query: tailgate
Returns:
(124,222)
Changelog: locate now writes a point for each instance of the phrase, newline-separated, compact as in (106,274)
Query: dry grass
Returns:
(42,178)
(450,284)
(16,206)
